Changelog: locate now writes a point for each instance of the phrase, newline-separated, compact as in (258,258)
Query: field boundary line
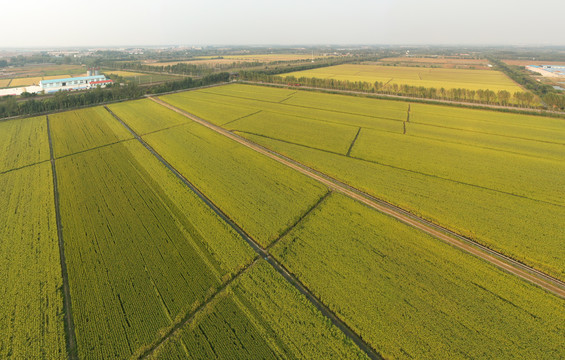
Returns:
(235,131)
(300,219)
(23,167)
(500,260)
(94,148)
(261,252)
(69,322)
(353,142)
(242,117)
(489,133)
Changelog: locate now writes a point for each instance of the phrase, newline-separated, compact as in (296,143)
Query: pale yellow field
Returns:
(4,82)
(25,81)
(229,59)
(436,60)
(125,74)
(415,76)
(272,57)
(199,62)
(58,77)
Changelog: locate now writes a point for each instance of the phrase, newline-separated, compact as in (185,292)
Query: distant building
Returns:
(76,83)
(548,70)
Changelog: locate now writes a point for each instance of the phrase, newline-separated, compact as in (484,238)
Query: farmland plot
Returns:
(538,179)
(411,296)
(23,142)
(217,113)
(142,250)
(527,230)
(260,315)
(335,138)
(259,194)
(503,143)
(211,100)
(535,128)
(81,130)
(145,116)
(31,302)
(415,76)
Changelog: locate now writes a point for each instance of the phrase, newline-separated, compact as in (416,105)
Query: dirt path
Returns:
(512,266)
(69,322)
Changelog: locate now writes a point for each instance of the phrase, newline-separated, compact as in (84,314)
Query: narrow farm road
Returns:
(502,261)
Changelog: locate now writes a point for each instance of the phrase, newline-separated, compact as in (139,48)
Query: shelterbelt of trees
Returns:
(65,100)
(505,98)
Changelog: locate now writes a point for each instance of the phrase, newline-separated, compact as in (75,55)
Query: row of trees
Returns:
(9,106)
(503,97)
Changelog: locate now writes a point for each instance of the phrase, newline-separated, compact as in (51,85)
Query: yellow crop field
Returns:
(4,82)
(415,76)
(125,74)
(25,81)
(229,59)
(56,77)
(270,57)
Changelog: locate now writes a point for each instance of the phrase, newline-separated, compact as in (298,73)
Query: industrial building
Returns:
(548,70)
(76,83)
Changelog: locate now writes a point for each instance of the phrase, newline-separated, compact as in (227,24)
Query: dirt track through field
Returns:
(525,272)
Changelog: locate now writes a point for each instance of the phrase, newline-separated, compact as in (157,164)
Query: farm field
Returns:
(498,205)
(23,142)
(411,296)
(414,76)
(80,130)
(259,316)
(264,206)
(26,81)
(125,74)
(145,116)
(31,302)
(142,250)
(264,261)
(230,59)
(436,60)
(4,82)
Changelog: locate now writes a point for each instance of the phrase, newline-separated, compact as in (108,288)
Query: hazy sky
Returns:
(44,23)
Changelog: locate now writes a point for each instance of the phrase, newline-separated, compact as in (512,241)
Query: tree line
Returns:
(486,96)
(62,100)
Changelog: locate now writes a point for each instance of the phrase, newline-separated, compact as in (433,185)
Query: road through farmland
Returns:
(532,275)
